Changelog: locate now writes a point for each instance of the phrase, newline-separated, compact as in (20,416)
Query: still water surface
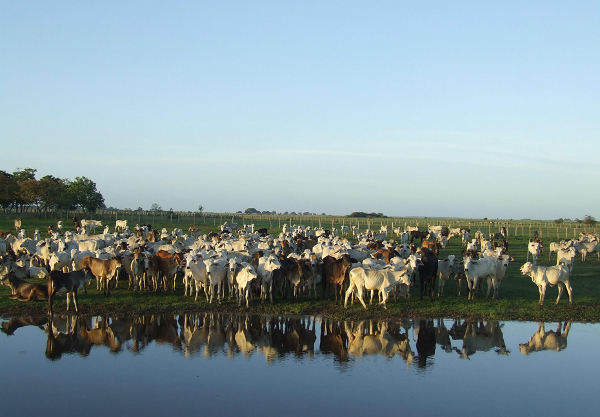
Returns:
(238,365)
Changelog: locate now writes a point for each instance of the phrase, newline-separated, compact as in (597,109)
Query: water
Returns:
(257,365)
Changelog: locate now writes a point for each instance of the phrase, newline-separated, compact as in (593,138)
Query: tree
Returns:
(26,183)
(53,193)
(85,195)
(155,207)
(559,220)
(8,189)
(200,209)
(589,220)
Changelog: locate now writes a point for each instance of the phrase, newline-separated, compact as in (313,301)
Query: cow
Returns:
(243,279)
(18,223)
(169,265)
(477,269)
(566,257)
(383,280)
(587,247)
(547,340)
(265,267)
(334,271)
(533,248)
(419,235)
(104,270)
(67,282)
(138,271)
(502,262)
(445,268)
(120,225)
(544,275)
(23,290)
(428,268)
(90,224)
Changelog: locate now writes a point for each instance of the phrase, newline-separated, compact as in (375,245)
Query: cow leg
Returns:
(560,291)
(542,289)
(348,292)
(570,291)
(385,296)
(75,301)
(68,300)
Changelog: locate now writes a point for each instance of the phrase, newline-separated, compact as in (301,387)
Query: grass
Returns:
(518,298)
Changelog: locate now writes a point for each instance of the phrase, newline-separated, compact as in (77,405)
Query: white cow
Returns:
(266,266)
(120,225)
(60,261)
(544,275)
(196,270)
(534,249)
(90,224)
(587,247)
(476,269)
(445,267)
(383,280)
(502,262)
(566,257)
(244,279)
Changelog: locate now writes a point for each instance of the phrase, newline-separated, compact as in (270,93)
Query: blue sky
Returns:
(462,109)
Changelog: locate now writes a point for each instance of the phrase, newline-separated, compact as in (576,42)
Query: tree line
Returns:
(21,190)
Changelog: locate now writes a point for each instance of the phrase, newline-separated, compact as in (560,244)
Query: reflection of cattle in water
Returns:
(426,341)
(101,336)
(67,342)
(442,336)
(9,327)
(482,337)
(334,340)
(547,340)
(375,339)
(245,334)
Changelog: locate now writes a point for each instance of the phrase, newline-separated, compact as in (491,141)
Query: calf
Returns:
(23,290)
(544,275)
(69,283)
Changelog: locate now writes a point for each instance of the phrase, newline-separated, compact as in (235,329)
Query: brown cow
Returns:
(169,265)
(335,271)
(18,224)
(23,290)
(433,246)
(104,270)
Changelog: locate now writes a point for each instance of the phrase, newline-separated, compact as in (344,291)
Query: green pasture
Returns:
(518,299)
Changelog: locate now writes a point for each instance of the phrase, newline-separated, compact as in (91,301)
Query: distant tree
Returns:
(200,209)
(559,220)
(139,209)
(155,207)
(251,210)
(8,189)
(589,220)
(85,194)
(363,214)
(53,193)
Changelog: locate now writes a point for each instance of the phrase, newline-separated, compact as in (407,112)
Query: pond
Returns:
(296,366)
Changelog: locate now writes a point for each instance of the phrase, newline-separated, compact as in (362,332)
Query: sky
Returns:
(432,108)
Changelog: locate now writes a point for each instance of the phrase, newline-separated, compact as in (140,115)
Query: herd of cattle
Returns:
(251,263)
(275,337)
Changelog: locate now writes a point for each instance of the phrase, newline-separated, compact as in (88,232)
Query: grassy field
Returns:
(518,298)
